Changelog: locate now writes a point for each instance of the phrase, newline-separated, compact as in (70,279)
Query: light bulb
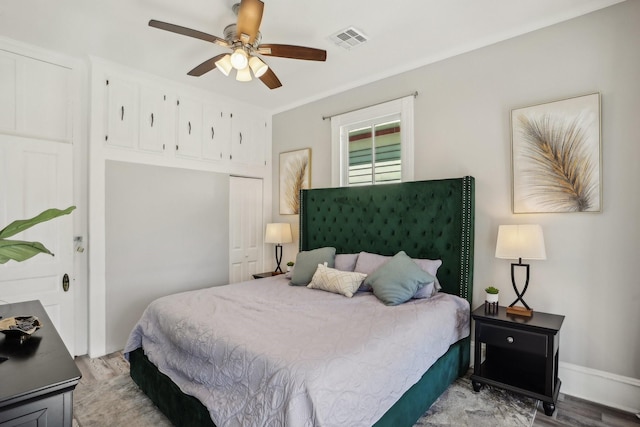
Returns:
(258,67)
(224,65)
(239,59)
(244,75)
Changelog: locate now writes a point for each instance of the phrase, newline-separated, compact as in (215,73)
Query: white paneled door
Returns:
(36,175)
(245,228)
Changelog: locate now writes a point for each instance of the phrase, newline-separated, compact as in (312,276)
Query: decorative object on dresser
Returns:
(556,156)
(520,354)
(491,300)
(38,375)
(295,175)
(520,242)
(278,233)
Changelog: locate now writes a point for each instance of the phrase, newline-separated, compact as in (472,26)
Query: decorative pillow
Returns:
(398,279)
(346,262)
(430,266)
(307,263)
(368,263)
(336,281)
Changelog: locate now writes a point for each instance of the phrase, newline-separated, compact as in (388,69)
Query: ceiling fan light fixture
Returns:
(257,66)
(244,75)
(224,65)
(239,59)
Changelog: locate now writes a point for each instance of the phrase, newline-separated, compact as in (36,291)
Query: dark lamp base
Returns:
(519,311)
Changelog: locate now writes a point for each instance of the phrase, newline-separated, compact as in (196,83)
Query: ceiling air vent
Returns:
(349,38)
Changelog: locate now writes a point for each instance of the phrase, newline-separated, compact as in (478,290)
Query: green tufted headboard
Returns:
(427,219)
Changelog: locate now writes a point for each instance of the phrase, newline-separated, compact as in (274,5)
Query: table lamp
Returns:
(278,233)
(520,242)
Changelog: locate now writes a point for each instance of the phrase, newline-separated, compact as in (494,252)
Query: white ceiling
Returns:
(403,34)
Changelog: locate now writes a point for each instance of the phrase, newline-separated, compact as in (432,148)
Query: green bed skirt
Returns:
(187,411)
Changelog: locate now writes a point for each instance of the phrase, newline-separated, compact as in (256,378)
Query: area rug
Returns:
(119,402)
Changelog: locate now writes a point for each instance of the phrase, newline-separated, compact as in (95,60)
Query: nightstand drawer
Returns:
(514,339)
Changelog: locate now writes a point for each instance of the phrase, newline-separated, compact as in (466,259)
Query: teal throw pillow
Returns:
(397,280)
(307,263)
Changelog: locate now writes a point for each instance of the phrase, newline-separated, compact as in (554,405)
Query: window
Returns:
(373,145)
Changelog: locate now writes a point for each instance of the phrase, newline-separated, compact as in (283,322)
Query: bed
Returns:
(426,219)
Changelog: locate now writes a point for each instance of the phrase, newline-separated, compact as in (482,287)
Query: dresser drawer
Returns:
(514,339)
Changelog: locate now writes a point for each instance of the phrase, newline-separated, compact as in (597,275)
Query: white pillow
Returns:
(339,282)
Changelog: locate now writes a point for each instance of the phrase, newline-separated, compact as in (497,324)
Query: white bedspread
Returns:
(263,353)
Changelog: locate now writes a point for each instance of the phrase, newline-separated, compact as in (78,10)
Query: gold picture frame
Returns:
(556,156)
(295,175)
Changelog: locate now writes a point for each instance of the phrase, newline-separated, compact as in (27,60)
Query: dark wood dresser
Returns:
(38,378)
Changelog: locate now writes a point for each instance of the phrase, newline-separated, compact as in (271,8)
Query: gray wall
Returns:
(167,232)
(462,127)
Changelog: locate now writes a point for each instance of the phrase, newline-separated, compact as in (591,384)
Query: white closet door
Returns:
(36,175)
(245,233)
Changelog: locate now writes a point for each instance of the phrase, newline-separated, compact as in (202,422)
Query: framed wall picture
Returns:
(295,175)
(556,156)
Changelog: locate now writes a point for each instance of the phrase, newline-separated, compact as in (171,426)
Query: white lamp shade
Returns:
(224,65)
(520,241)
(239,59)
(278,232)
(257,66)
(244,75)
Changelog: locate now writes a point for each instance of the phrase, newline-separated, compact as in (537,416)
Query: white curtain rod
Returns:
(414,94)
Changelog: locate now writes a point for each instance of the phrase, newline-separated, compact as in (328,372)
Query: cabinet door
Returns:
(248,138)
(189,128)
(240,137)
(216,133)
(153,123)
(8,85)
(122,113)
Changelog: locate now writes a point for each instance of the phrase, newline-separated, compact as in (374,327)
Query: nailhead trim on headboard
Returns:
(427,219)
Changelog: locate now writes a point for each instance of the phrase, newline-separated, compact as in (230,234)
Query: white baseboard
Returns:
(600,387)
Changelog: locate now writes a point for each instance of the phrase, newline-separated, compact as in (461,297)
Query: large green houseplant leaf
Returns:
(19,250)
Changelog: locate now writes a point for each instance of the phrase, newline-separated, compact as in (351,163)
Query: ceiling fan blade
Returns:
(206,66)
(270,79)
(293,52)
(188,32)
(249,18)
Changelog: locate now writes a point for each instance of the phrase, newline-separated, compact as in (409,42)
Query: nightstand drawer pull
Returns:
(510,340)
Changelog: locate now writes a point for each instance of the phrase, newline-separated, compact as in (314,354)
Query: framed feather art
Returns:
(556,156)
(295,175)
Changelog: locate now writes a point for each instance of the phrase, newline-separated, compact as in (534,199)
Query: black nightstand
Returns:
(521,354)
(263,275)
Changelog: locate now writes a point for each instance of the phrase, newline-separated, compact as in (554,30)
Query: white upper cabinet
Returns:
(189,143)
(153,122)
(35,97)
(122,113)
(248,138)
(216,133)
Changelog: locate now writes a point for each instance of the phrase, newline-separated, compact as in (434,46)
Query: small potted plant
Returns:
(491,300)
(492,294)
(289,265)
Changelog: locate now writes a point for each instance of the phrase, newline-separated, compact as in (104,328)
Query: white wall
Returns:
(167,232)
(462,127)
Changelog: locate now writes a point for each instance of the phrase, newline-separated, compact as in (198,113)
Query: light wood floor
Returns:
(570,411)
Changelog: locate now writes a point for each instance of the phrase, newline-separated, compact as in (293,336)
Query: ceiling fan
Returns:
(244,40)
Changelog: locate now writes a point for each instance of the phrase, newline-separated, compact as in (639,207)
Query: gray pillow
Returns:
(397,280)
(307,263)
(346,262)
